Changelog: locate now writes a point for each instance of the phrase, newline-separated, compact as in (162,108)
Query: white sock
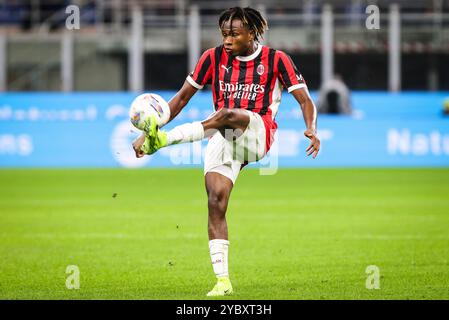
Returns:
(187,132)
(219,256)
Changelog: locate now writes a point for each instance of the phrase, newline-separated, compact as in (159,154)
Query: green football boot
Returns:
(154,138)
(222,288)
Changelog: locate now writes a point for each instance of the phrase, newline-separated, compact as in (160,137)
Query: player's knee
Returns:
(225,116)
(217,200)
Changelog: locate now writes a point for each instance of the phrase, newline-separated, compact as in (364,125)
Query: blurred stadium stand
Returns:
(152,44)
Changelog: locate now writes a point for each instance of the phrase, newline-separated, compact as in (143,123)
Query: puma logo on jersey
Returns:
(227,69)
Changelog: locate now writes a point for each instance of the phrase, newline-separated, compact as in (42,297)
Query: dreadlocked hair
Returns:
(251,19)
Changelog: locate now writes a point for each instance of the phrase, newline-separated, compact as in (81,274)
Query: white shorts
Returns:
(226,156)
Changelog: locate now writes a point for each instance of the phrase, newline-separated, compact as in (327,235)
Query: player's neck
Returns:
(252,48)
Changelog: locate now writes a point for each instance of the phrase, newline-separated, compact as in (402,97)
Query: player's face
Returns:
(237,39)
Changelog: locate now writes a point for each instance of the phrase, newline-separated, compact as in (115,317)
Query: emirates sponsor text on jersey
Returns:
(241,90)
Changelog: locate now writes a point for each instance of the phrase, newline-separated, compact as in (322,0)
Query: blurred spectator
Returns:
(12,12)
(88,12)
(310,10)
(356,13)
(334,97)
(446,106)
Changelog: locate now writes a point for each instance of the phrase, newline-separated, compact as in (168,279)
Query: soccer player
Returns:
(247,79)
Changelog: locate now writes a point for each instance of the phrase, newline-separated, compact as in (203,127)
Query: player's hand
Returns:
(315,143)
(137,144)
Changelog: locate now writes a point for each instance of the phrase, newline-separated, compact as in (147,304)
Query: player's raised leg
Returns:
(189,132)
(218,189)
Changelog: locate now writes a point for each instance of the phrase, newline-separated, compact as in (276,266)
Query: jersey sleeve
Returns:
(289,75)
(202,74)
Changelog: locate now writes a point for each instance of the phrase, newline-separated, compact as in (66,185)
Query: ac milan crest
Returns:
(260,69)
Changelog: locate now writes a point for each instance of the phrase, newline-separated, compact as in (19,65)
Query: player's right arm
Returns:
(196,80)
(181,98)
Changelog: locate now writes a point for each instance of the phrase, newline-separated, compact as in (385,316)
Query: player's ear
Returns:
(252,36)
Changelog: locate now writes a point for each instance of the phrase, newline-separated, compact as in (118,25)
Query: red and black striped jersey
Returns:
(251,82)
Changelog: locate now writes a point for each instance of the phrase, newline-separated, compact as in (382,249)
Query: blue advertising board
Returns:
(93,130)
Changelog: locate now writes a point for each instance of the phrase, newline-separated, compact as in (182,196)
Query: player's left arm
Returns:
(310,118)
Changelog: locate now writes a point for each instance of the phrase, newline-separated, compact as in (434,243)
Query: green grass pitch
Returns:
(299,234)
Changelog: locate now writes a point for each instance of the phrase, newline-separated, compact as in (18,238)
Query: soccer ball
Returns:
(146,105)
